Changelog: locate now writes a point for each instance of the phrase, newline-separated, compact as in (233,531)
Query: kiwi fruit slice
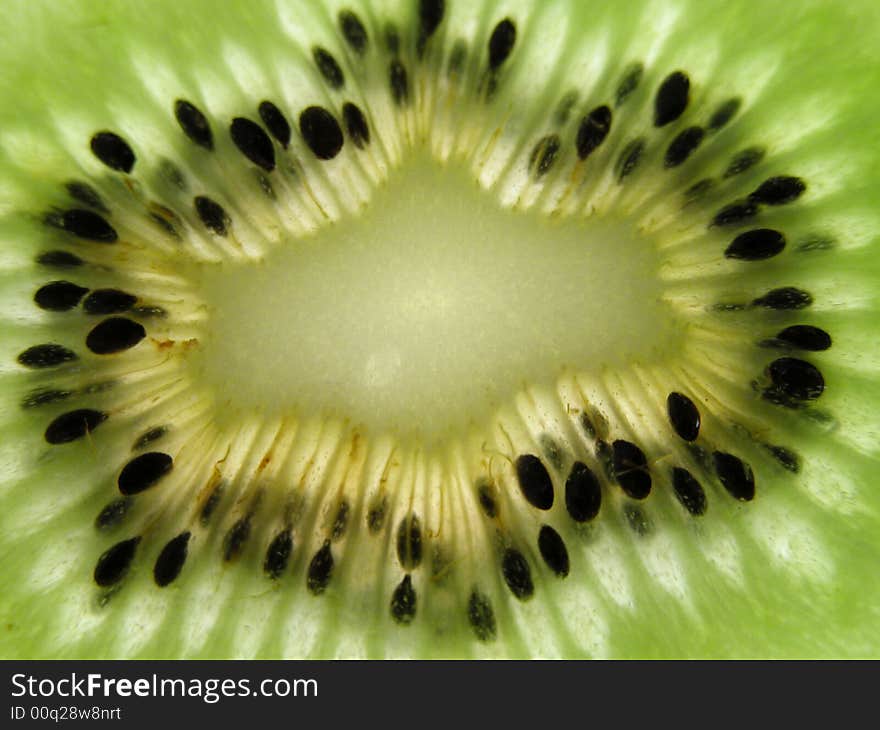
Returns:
(439,328)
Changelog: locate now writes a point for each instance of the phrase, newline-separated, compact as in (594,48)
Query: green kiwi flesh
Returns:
(598,288)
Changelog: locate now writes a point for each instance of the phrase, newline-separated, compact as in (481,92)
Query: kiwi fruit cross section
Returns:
(439,328)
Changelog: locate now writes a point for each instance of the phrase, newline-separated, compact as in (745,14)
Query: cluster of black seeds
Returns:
(263,141)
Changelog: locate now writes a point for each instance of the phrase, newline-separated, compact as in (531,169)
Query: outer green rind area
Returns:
(72,66)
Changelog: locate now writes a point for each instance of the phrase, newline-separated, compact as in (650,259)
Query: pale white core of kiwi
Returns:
(431,308)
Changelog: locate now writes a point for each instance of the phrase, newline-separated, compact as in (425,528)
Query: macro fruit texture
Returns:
(425,328)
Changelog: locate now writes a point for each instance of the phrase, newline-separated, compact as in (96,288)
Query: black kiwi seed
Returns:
(501,43)
(275,122)
(321,132)
(583,495)
(629,158)
(212,214)
(683,415)
(115,562)
(553,550)
(236,538)
(108,301)
(353,31)
(59,296)
(143,472)
(44,396)
(671,99)
(735,213)
(431,14)
(632,76)
(689,491)
(171,559)
(593,130)
(73,425)
(278,554)
(487,498)
(683,146)
(45,356)
(113,151)
(735,475)
(320,569)
(517,574)
(787,297)
(113,335)
(481,616)
(796,378)
(779,190)
(398,81)
(59,260)
(630,469)
(194,124)
(403,601)
(253,142)
(534,481)
(356,125)
(88,225)
(756,245)
(113,513)
(544,154)
(409,542)
(724,113)
(328,67)
(805,337)
(744,160)
(85,193)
